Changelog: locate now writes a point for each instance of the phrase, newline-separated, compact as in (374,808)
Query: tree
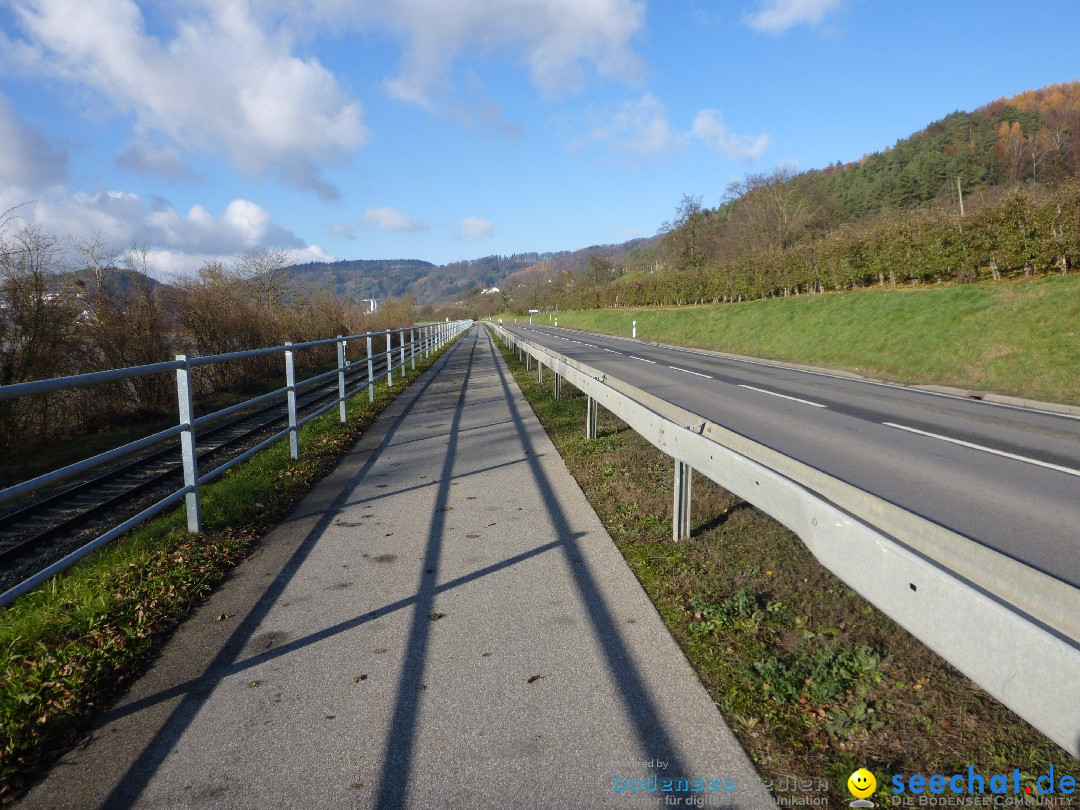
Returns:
(266,271)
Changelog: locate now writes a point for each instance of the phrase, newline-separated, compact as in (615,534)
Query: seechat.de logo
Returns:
(861,784)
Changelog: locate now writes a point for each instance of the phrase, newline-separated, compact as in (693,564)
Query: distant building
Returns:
(492,291)
(371,304)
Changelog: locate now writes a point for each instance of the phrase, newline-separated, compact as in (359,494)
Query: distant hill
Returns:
(428,283)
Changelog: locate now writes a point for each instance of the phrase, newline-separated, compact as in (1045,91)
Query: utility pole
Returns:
(960,192)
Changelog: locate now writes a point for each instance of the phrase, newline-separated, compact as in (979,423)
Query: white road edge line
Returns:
(1025,459)
(784,396)
(695,373)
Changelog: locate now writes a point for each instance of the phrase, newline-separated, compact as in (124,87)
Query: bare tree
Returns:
(266,271)
(37,327)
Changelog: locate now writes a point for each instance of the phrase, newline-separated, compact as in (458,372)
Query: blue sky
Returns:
(454,129)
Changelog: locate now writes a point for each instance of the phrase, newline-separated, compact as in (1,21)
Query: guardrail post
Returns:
(528,362)
(370,373)
(389,360)
(680,516)
(403,353)
(539,371)
(341,377)
(290,385)
(558,386)
(590,420)
(187,444)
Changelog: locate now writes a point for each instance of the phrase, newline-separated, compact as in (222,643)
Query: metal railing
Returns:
(1012,629)
(421,340)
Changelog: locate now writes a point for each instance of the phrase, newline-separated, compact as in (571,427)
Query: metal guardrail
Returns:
(1012,629)
(413,341)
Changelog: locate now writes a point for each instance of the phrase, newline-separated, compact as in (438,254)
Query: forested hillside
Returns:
(980,195)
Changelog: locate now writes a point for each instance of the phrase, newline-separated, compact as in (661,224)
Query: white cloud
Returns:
(182,242)
(168,264)
(144,158)
(476,226)
(640,127)
(242,226)
(221,84)
(390,219)
(560,42)
(709,127)
(27,159)
(343,230)
(777,16)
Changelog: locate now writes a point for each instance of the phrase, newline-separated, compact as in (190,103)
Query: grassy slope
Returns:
(1018,337)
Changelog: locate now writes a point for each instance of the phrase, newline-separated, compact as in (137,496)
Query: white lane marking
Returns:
(642,359)
(783,396)
(612,351)
(1049,466)
(695,373)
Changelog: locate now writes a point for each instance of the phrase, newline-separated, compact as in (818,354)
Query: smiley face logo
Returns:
(861,783)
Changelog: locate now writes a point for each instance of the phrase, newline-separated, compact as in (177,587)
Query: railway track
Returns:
(37,533)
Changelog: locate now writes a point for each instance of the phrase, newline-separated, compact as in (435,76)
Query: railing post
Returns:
(370,373)
(412,348)
(680,517)
(403,372)
(290,385)
(341,377)
(187,444)
(389,359)
(590,420)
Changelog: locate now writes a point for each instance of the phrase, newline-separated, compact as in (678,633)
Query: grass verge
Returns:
(70,646)
(1015,337)
(814,681)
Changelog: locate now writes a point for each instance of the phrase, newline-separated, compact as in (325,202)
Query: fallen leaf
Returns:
(534,679)
(486,655)
(222,617)
(436,616)
(380,650)
(358,678)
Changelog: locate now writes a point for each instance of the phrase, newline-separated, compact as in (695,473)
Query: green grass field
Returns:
(1020,338)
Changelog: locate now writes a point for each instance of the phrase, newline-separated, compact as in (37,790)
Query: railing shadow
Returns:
(139,774)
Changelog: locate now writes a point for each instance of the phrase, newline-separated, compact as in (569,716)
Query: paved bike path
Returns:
(443,622)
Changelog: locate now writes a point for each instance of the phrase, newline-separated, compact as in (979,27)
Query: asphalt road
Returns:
(1003,476)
